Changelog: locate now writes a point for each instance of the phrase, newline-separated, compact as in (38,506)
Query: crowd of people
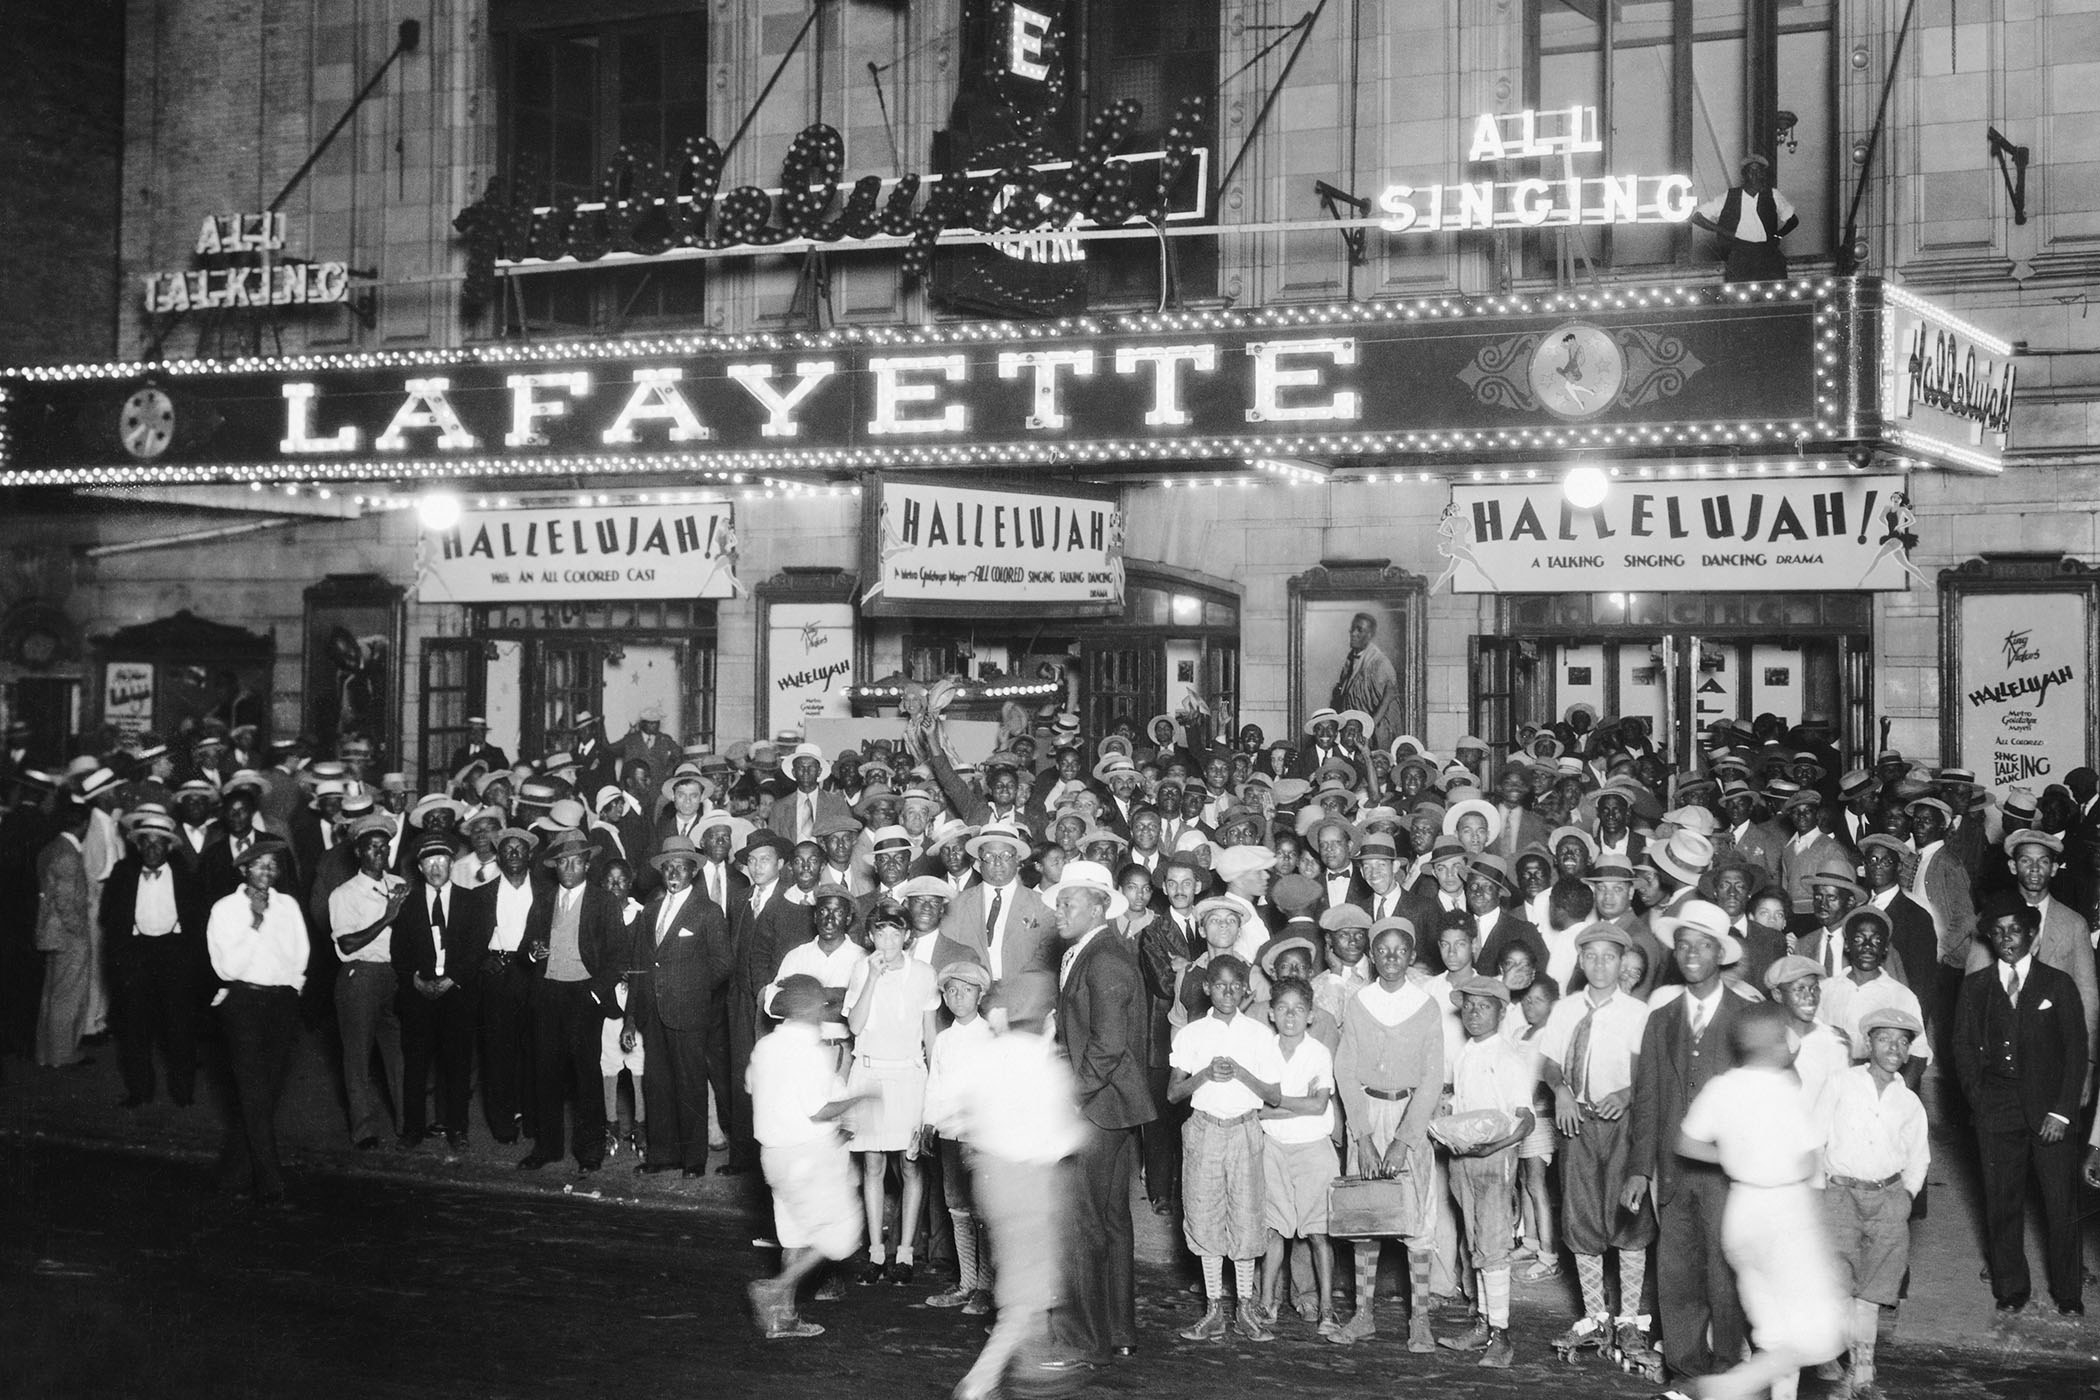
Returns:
(1579,1007)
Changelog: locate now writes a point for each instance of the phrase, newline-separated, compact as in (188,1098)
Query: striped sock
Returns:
(1213,1277)
(1633,1276)
(1243,1279)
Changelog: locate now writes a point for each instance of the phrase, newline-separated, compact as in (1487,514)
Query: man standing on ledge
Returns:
(1750,219)
(1368,681)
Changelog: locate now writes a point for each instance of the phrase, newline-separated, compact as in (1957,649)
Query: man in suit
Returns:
(240,827)
(437,957)
(1521,826)
(1489,886)
(647,743)
(1752,840)
(1686,1044)
(1120,777)
(798,814)
(315,829)
(999,922)
(595,765)
(478,749)
(498,913)
(763,925)
(153,914)
(680,962)
(1101,1027)
(1912,936)
(2062,940)
(1942,886)
(1321,744)
(1336,841)
(63,937)
(2020,1053)
(573,942)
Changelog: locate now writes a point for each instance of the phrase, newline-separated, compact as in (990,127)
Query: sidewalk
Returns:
(1949,1305)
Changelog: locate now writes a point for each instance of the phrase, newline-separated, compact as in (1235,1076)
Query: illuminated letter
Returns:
(1047,417)
(1165,360)
(780,408)
(1398,200)
(1533,198)
(1619,199)
(426,407)
(525,410)
(299,425)
(1674,199)
(656,396)
(1487,139)
(1269,378)
(1024,57)
(891,395)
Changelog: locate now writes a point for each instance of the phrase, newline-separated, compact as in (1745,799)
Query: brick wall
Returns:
(61,108)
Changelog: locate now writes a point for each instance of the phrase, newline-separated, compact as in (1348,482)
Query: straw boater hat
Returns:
(1363,721)
(1241,911)
(802,751)
(1698,916)
(999,833)
(1477,806)
(1321,716)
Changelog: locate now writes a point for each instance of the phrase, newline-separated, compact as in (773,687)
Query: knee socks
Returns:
(1366,1275)
(1633,1276)
(1589,1272)
(1213,1277)
(1494,1296)
(968,1275)
(1243,1279)
(1419,1264)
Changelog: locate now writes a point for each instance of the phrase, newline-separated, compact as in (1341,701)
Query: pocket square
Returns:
(2046,1004)
(685,933)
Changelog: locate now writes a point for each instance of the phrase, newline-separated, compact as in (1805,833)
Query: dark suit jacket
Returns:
(2048,1042)
(601,941)
(1662,1085)
(1510,929)
(682,971)
(307,849)
(120,898)
(222,879)
(780,816)
(414,951)
(757,943)
(1103,1024)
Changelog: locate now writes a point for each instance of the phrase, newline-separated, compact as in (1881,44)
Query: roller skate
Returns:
(1588,1334)
(1632,1350)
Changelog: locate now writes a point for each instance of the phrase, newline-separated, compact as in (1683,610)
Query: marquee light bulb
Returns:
(1586,487)
(438,510)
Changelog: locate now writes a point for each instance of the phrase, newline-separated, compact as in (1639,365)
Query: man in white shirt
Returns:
(361,913)
(257,941)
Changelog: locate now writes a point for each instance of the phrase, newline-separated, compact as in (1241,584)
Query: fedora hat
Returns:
(1092,875)
(1684,857)
(999,833)
(565,843)
(676,847)
(1699,916)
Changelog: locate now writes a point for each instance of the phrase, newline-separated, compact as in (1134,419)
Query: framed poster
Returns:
(1357,641)
(2017,655)
(934,549)
(353,664)
(127,697)
(808,649)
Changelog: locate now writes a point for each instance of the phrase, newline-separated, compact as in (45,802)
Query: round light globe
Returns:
(1586,487)
(438,510)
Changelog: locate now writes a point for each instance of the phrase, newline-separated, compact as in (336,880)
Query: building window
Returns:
(569,99)
(1160,53)
(1690,86)
(449,676)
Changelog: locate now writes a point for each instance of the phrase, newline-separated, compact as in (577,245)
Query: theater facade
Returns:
(1681,502)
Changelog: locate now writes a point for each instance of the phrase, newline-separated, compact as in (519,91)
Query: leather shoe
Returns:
(652,1168)
(455,1142)
(2073,1309)
(368,1144)
(586,1168)
(692,1171)
(2009,1305)
(532,1162)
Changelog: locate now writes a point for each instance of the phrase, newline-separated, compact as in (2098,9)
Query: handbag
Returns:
(1361,1207)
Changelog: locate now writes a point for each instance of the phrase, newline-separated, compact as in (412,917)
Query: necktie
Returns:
(437,913)
(809,817)
(714,887)
(1699,1017)
(663,918)
(1579,1053)
(2012,985)
(991,917)
(437,933)
(149,874)
(1064,964)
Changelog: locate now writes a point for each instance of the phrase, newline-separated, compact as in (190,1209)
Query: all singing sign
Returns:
(688,550)
(1779,533)
(945,550)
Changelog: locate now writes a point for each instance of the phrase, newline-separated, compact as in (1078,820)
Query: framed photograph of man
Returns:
(1356,643)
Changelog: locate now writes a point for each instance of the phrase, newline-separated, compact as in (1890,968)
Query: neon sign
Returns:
(244,265)
(1536,202)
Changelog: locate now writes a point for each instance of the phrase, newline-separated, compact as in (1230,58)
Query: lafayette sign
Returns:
(638,551)
(1374,378)
(941,549)
(1791,533)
